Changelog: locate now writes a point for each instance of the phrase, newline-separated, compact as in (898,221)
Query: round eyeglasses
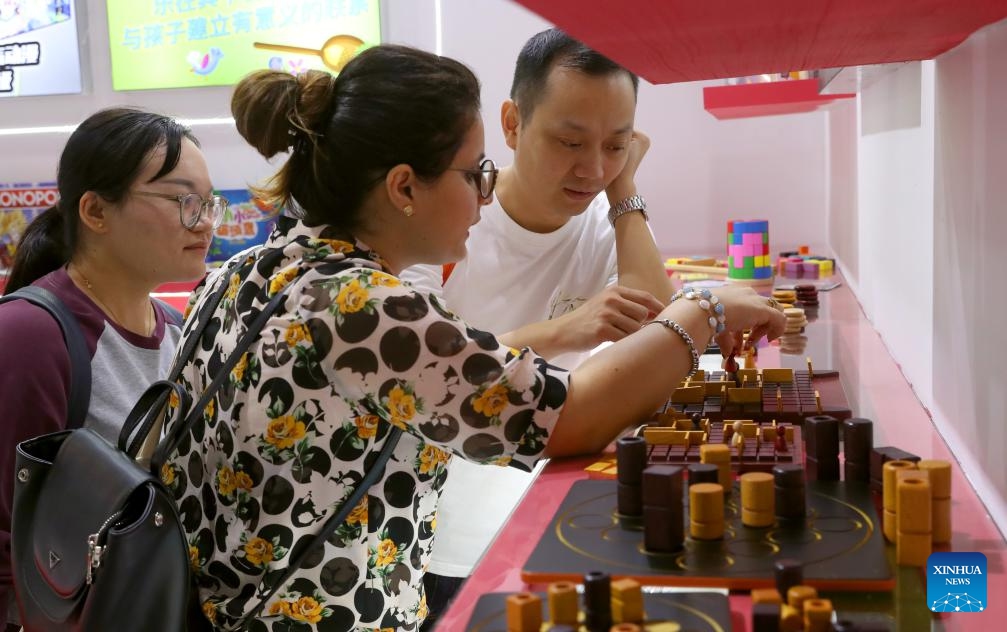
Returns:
(485,177)
(192,207)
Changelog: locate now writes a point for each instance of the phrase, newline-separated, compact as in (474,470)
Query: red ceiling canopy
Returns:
(666,41)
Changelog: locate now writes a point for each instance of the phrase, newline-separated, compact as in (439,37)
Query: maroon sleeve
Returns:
(34,378)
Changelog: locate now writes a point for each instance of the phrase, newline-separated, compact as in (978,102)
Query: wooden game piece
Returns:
(940,476)
(629,499)
(524,613)
(913,549)
(817,615)
(563,606)
(781,442)
(858,440)
(880,456)
(765,617)
(789,491)
(662,486)
(719,455)
(631,456)
(758,501)
(728,431)
(627,601)
(912,502)
(597,601)
(697,418)
(703,473)
(766,595)
(750,358)
(790,619)
(821,436)
(787,573)
(890,472)
(663,528)
(797,595)
(706,511)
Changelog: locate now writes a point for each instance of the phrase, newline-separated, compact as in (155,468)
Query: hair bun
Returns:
(271,108)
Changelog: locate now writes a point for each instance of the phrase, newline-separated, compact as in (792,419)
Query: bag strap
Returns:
(170,442)
(338,518)
(79,396)
(146,422)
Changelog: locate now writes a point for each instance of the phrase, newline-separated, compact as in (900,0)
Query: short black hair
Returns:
(549,49)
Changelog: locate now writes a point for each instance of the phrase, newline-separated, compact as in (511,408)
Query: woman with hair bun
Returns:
(136,210)
(385,170)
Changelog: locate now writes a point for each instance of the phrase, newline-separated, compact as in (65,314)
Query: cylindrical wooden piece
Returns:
(797,595)
(757,491)
(524,612)
(817,615)
(703,473)
(787,573)
(706,503)
(563,603)
(913,512)
(940,476)
(889,471)
(631,459)
(941,518)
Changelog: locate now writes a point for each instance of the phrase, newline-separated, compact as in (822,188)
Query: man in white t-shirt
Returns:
(562,261)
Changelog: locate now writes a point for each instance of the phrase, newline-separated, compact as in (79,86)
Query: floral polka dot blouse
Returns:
(352,352)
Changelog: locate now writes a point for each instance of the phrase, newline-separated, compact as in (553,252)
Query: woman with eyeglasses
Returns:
(385,170)
(136,210)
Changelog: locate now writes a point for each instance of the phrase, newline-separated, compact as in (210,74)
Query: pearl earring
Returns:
(407,210)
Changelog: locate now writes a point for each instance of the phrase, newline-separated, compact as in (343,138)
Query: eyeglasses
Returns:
(487,177)
(192,207)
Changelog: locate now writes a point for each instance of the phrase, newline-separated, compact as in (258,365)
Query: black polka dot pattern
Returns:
(352,353)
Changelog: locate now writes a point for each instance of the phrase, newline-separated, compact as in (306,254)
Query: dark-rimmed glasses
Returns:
(192,207)
(487,177)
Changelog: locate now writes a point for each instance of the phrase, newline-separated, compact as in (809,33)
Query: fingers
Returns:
(642,298)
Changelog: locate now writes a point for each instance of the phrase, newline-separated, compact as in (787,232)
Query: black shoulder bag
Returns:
(97,543)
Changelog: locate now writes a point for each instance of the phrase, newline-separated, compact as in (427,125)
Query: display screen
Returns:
(38,48)
(193,43)
(20,203)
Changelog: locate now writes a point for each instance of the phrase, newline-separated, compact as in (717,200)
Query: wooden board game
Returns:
(840,544)
(756,457)
(665,612)
(788,401)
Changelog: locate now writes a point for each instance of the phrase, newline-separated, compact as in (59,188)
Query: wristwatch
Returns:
(628,205)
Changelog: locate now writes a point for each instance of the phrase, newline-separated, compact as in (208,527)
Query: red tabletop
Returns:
(841,338)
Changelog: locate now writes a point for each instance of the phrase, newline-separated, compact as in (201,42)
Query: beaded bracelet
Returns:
(707,301)
(680,330)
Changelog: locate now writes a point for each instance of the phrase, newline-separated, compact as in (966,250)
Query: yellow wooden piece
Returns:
(940,476)
(714,389)
(706,530)
(888,528)
(688,395)
(714,453)
(706,503)
(665,436)
(912,549)
(767,434)
(749,375)
(790,619)
(698,376)
(766,595)
(627,601)
(524,613)
(599,466)
(788,434)
(777,376)
(563,603)
(744,395)
(818,402)
(797,595)
(817,615)
(888,474)
(758,519)
(913,509)
(757,491)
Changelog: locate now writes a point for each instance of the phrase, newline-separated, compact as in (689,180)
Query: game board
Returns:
(717,398)
(756,457)
(692,611)
(840,544)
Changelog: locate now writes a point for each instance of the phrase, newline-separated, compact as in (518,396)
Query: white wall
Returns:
(924,242)
(700,172)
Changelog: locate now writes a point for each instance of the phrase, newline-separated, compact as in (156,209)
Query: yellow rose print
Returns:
(232,287)
(502,460)
(306,609)
(258,552)
(352,298)
(283,432)
(226,483)
(280,607)
(210,611)
(337,245)
(382,279)
(401,405)
(386,553)
(242,481)
(281,280)
(359,513)
(430,457)
(295,334)
(167,474)
(367,426)
(194,559)
(173,400)
(239,369)
(210,407)
(492,401)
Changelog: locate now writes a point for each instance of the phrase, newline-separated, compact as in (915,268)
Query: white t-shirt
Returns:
(512,277)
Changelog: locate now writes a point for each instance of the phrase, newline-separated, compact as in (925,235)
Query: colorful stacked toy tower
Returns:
(748,251)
